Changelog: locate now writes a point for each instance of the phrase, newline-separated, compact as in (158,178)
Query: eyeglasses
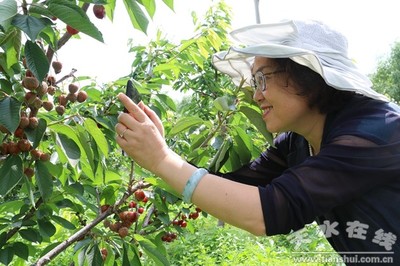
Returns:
(259,80)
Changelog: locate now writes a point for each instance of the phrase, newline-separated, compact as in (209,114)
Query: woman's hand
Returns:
(140,134)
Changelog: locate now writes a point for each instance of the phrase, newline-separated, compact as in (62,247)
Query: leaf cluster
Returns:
(386,78)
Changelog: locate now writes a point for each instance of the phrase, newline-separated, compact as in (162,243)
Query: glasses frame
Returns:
(262,75)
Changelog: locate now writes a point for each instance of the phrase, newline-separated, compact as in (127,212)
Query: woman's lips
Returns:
(266,110)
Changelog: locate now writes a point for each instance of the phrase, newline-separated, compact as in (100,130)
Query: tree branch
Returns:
(82,232)
(64,39)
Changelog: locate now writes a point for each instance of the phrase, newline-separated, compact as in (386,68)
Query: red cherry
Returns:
(71,30)
(132,216)
(139,195)
(104,208)
(123,231)
(99,11)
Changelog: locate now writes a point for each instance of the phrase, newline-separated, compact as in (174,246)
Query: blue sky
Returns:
(371,27)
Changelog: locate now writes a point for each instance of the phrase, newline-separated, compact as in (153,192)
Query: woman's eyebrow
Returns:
(260,68)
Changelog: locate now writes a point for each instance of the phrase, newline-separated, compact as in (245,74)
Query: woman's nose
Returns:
(258,96)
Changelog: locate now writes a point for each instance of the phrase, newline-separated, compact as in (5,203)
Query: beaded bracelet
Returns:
(192,184)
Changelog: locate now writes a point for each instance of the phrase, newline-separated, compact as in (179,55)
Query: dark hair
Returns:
(312,86)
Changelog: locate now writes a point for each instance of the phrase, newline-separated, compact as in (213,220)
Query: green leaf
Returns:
(63,222)
(73,15)
(6,255)
(8,36)
(46,228)
(152,250)
(185,123)
(6,85)
(256,119)
(44,179)
(21,250)
(169,3)
(30,234)
(150,6)
(50,37)
(97,134)
(225,103)
(93,256)
(138,18)
(35,135)
(221,156)
(11,206)
(9,113)
(69,148)
(214,39)
(158,182)
(243,145)
(30,25)
(8,9)
(167,100)
(11,44)
(11,172)
(36,60)
(233,163)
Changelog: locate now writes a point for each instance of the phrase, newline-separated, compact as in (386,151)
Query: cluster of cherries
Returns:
(127,218)
(181,222)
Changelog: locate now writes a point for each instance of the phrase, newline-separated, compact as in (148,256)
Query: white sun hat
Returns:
(309,43)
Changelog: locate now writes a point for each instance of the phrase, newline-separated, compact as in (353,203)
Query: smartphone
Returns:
(132,93)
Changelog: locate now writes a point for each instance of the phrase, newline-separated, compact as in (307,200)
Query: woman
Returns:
(337,157)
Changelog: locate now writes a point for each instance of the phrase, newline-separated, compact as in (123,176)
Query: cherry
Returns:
(72,97)
(33,122)
(132,216)
(24,122)
(104,253)
(139,195)
(123,231)
(82,96)
(13,148)
(36,154)
(19,132)
(71,30)
(30,83)
(60,109)
(45,157)
(51,90)
(132,204)
(99,11)
(106,223)
(57,66)
(62,100)
(104,208)
(29,172)
(48,106)
(73,88)
(193,215)
(24,145)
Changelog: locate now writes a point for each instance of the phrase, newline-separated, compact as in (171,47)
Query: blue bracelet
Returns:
(192,184)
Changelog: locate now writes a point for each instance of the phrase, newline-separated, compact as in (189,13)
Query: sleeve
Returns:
(260,172)
(338,174)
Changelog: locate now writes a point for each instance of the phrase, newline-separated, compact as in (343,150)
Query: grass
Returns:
(209,244)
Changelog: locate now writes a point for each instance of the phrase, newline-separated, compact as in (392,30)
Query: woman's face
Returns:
(283,110)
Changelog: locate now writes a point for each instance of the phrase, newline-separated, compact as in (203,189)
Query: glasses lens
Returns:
(259,80)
